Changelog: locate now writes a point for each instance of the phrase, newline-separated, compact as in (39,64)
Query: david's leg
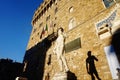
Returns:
(60,62)
(64,62)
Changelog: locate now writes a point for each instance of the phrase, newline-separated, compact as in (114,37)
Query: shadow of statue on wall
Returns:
(90,66)
(71,76)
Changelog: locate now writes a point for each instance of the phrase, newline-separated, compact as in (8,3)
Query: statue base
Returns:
(64,76)
(60,76)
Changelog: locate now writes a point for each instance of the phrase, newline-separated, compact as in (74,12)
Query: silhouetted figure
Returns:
(90,65)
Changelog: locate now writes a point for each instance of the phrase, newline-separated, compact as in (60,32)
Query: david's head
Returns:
(60,30)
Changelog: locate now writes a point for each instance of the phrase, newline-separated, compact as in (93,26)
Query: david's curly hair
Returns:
(61,29)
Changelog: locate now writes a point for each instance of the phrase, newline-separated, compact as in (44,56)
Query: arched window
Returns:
(71,9)
(72,23)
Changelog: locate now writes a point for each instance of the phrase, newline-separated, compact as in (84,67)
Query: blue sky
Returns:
(15,27)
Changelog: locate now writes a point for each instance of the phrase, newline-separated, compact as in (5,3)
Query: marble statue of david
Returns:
(59,50)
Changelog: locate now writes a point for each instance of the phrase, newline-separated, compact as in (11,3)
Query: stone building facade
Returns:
(90,25)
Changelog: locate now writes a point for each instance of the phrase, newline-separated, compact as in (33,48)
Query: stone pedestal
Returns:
(60,76)
(64,76)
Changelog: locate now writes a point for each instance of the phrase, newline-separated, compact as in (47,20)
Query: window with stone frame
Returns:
(56,10)
(71,9)
(48,17)
(38,33)
(31,38)
(108,3)
(34,30)
(54,24)
(72,23)
(40,24)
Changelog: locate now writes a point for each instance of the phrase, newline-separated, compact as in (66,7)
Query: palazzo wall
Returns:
(91,22)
